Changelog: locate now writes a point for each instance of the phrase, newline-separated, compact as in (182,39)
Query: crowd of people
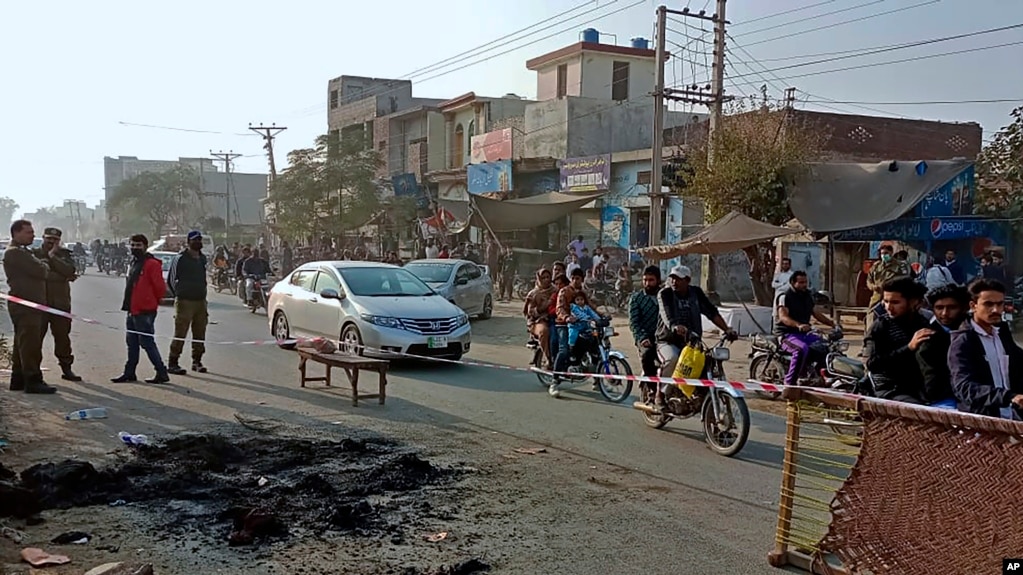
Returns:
(932,339)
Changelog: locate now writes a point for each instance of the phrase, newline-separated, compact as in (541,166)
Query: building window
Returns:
(472,131)
(458,147)
(620,81)
(562,80)
(382,145)
(333,99)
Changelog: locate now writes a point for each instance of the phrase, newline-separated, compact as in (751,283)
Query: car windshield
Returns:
(430,273)
(383,282)
(165,260)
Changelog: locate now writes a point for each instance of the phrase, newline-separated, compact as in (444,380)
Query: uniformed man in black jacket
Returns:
(187,281)
(58,295)
(26,278)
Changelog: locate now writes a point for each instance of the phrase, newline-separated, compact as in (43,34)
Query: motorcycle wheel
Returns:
(735,424)
(544,379)
(616,390)
(655,421)
(522,291)
(764,368)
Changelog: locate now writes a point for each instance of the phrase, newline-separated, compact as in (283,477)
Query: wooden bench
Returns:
(352,366)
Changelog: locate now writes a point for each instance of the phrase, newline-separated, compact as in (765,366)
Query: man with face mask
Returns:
(949,304)
(893,340)
(142,294)
(186,280)
(58,296)
(643,321)
(886,269)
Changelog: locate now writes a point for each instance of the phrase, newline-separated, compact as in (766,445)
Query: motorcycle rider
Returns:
(563,309)
(535,312)
(78,251)
(254,267)
(795,310)
(949,304)
(238,274)
(643,312)
(58,296)
(892,341)
(680,306)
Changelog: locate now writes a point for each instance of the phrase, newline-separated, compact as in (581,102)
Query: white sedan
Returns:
(374,309)
(165,261)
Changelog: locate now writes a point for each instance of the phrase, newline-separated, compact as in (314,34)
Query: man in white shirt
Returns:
(985,363)
(780,283)
(431,250)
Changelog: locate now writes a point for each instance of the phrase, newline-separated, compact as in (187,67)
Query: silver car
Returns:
(461,282)
(165,261)
(375,309)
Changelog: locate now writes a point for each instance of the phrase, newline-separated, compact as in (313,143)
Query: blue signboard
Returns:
(921,229)
(489,177)
(536,183)
(405,185)
(955,198)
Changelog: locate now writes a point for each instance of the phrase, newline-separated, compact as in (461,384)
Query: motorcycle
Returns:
(723,411)
(222,280)
(116,264)
(260,288)
(827,366)
(602,359)
(80,263)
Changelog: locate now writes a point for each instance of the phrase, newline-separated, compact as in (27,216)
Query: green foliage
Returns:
(156,201)
(753,152)
(1000,172)
(326,189)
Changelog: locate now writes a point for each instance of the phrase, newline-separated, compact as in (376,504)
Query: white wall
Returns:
(597,70)
(547,79)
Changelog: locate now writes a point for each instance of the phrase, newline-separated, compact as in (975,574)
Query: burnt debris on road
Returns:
(247,489)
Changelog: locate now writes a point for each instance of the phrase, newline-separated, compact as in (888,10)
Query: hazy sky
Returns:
(72,71)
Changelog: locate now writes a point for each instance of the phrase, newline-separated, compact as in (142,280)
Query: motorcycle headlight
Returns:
(842,346)
(720,353)
(462,320)
(382,321)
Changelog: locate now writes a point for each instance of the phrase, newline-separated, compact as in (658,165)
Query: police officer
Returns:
(58,295)
(26,277)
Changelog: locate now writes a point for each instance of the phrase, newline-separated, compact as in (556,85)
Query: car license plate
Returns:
(437,342)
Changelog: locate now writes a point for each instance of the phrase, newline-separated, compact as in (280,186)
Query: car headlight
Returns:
(462,320)
(382,321)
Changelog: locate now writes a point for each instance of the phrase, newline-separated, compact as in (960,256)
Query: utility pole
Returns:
(657,140)
(269,133)
(228,159)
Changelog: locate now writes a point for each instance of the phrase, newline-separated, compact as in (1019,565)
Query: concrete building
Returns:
(469,115)
(121,168)
(594,98)
(246,194)
(384,114)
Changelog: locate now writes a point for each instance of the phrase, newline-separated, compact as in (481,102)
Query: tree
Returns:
(755,150)
(326,189)
(157,201)
(7,209)
(1000,172)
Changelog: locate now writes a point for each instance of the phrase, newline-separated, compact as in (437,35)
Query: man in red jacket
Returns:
(142,294)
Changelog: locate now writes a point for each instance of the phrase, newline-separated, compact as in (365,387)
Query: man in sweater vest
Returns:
(187,281)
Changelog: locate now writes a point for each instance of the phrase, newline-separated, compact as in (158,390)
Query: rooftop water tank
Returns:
(591,36)
(641,43)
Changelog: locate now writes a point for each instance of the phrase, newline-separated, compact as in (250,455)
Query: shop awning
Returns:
(843,196)
(733,232)
(520,214)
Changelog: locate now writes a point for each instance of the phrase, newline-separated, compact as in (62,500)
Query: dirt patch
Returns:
(249,489)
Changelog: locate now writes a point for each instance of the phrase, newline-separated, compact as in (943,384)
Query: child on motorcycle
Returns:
(581,334)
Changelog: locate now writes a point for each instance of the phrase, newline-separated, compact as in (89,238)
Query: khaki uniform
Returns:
(26,278)
(881,273)
(58,295)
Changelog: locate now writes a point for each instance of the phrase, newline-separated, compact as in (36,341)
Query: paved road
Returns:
(725,519)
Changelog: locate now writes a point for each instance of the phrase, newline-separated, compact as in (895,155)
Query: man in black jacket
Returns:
(186,280)
(892,341)
(985,363)
(949,304)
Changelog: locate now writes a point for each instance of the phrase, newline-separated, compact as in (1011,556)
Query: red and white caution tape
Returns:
(750,385)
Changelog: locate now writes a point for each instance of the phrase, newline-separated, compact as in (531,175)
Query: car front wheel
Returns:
(282,331)
(351,341)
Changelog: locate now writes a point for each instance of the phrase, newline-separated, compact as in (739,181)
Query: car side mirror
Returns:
(331,293)
(461,281)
